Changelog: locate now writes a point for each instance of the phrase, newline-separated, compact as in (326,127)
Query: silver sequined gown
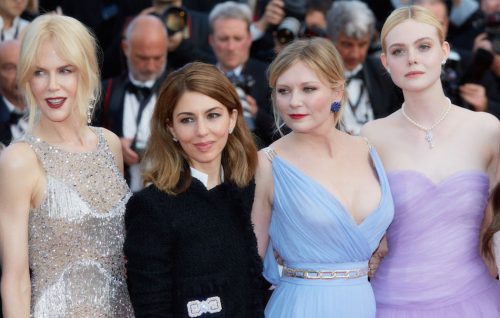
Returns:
(76,235)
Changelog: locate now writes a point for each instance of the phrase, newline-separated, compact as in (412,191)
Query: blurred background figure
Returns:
(128,100)
(11,23)
(230,39)
(466,76)
(13,110)
(371,93)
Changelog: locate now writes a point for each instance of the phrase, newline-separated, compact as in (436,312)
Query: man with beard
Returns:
(128,100)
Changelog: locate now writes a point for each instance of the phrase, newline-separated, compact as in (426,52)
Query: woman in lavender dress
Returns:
(441,161)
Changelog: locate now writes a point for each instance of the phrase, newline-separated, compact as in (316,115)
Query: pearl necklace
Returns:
(428,131)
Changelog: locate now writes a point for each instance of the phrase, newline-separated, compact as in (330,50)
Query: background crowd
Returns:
(241,39)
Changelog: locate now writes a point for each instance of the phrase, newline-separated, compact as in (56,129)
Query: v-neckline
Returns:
(347,213)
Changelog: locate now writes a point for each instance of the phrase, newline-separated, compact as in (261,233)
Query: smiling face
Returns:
(54,85)
(303,99)
(414,55)
(201,124)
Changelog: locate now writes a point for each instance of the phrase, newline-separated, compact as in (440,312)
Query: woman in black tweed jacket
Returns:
(190,244)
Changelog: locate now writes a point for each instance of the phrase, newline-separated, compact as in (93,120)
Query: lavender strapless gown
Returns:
(433,268)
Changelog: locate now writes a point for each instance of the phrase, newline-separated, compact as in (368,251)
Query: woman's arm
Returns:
(148,249)
(262,205)
(19,174)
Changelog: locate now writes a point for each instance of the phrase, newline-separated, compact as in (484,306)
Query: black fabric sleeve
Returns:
(148,249)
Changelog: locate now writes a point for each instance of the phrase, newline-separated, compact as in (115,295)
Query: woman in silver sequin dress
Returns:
(62,194)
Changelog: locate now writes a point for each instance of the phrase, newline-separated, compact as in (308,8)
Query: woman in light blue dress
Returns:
(322,198)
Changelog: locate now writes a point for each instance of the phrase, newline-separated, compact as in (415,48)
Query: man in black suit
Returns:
(231,40)
(371,92)
(128,100)
(12,107)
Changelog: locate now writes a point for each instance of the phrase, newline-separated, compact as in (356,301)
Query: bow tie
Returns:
(141,92)
(357,75)
(14,118)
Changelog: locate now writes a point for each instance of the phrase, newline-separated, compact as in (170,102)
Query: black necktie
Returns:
(357,75)
(14,118)
(140,92)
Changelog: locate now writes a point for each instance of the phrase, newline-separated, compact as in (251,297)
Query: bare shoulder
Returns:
(264,163)
(481,124)
(19,164)
(112,140)
(376,130)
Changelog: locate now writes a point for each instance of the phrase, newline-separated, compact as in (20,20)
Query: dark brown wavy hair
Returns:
(494,227)
(165,163)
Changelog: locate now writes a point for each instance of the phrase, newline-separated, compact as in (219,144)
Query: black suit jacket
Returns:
(109,114)
(385,97)
(5,133)
(264,122)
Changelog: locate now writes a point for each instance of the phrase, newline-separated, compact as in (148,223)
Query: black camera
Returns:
(491,25)
(175,19)
(245,82)
(291,29)
(492,28)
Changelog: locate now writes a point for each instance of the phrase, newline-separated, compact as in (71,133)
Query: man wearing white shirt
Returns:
(128,102)
(370,90)
(11,24)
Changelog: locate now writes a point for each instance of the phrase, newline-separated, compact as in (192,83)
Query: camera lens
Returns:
(175,19)
(288,30)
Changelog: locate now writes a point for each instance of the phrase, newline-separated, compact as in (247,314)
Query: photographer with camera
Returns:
(230,40)
(466,77)
(371,92)
(128,100)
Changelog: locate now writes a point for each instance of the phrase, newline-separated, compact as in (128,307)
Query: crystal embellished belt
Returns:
(336,274)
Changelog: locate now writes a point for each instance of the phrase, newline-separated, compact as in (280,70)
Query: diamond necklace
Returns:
(428,131)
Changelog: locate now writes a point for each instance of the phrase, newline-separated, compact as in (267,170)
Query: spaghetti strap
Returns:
(270,153)
(370,147)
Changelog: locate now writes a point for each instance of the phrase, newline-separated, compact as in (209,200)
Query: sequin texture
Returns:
(76,235)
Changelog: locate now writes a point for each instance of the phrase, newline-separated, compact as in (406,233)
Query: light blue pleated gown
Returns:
(310,229)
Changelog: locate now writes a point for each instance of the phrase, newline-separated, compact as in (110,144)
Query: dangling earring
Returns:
(90,110)
(175,139)
(335,107)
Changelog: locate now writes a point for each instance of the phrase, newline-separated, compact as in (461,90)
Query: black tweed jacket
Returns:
(195,248)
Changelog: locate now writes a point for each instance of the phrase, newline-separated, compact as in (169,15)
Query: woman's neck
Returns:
(8,21)
(71,136)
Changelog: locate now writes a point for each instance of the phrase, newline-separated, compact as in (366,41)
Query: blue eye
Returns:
(38,73)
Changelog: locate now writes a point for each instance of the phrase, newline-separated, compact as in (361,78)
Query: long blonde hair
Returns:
(165,162)
(75,43)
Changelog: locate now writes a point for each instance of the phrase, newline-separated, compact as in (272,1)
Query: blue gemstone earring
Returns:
(335,107)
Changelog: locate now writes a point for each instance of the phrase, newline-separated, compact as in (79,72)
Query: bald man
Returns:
(12,106)
(128,100)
